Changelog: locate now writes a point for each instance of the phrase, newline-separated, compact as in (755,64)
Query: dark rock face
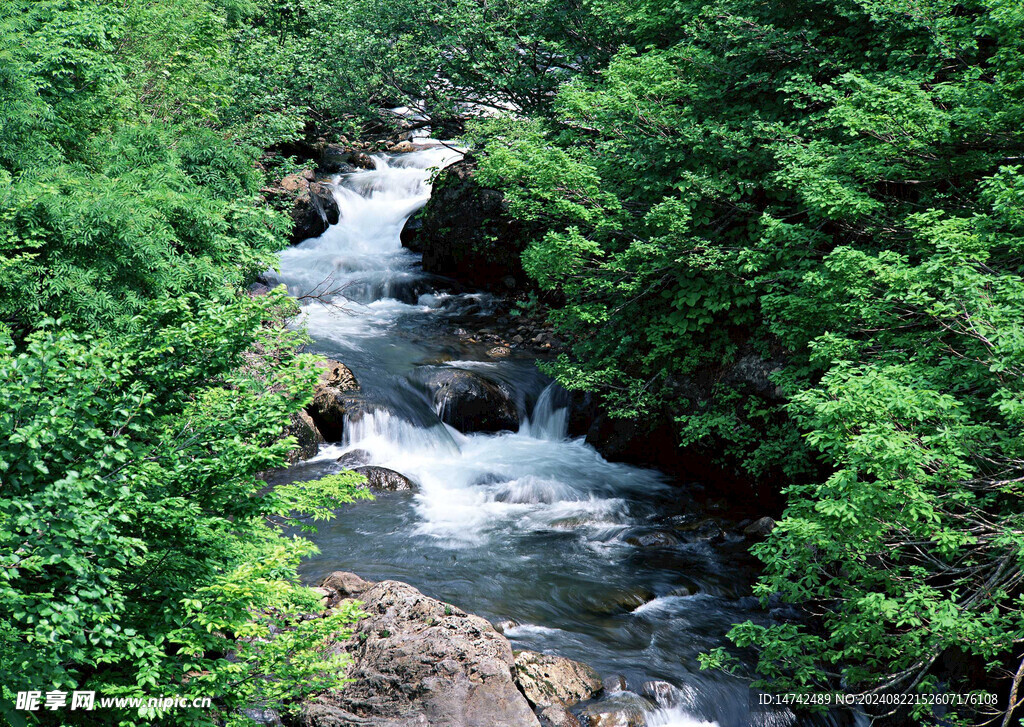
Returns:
(760,528)
(471,403)
(411,232)
(653,539)
(309,437)
(467,233)
(332,399)
(418,661)
(381,479)
(313,211)
(549,680)
(335,159)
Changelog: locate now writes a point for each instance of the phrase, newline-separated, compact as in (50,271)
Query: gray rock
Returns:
(418,661)
(655,539)
(558,716)
(752,371)
(615,683)
(346,584)
(264,716)
(504,625)
(313,211)
(336,158)
(624,709)
(664,694)
(304,429)
(760,527)
(471,403)
(354,458)
(382,479)
(622,600)
(548,680)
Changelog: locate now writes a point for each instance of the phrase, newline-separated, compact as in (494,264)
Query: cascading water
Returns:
(528,526)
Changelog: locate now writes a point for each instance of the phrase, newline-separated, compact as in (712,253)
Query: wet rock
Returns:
(655,539)
(418,661)
(313,211)
(499,352)
(663,694)
(336,158)
(354,458)
(546,679)
(308,436)
(557,716)
(471,403)
(382,479)
(346,584)
(684,591)
(624,709)
(411,231)
(402,147)
(504,625)
(760,528)
(622,600)
(615,683)
(706,529)
(331,400)
(468,234)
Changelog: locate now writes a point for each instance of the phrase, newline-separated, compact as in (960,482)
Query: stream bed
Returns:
(529,527)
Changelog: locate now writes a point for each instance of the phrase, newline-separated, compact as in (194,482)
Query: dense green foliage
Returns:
(836,187)
(137,550)
(140,393)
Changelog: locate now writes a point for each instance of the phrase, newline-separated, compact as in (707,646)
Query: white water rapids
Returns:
(528,525)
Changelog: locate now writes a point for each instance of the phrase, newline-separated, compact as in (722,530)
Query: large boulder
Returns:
(760,528)
(332,398)
(419,661)
(309,438)
(314,208)
(548,680)
(471,403)
(382,479)
(468,234)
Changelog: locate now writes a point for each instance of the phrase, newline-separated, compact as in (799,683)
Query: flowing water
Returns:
(528,526)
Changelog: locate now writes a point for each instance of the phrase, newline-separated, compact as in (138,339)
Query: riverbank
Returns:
(511,518)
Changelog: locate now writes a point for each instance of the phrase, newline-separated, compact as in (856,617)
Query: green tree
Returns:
(138,547)
(834,186)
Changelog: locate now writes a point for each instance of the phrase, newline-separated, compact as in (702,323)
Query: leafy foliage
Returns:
(833,188)
(140,394)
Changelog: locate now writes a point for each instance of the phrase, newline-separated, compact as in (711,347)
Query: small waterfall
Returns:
(388,437)
(550,417)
